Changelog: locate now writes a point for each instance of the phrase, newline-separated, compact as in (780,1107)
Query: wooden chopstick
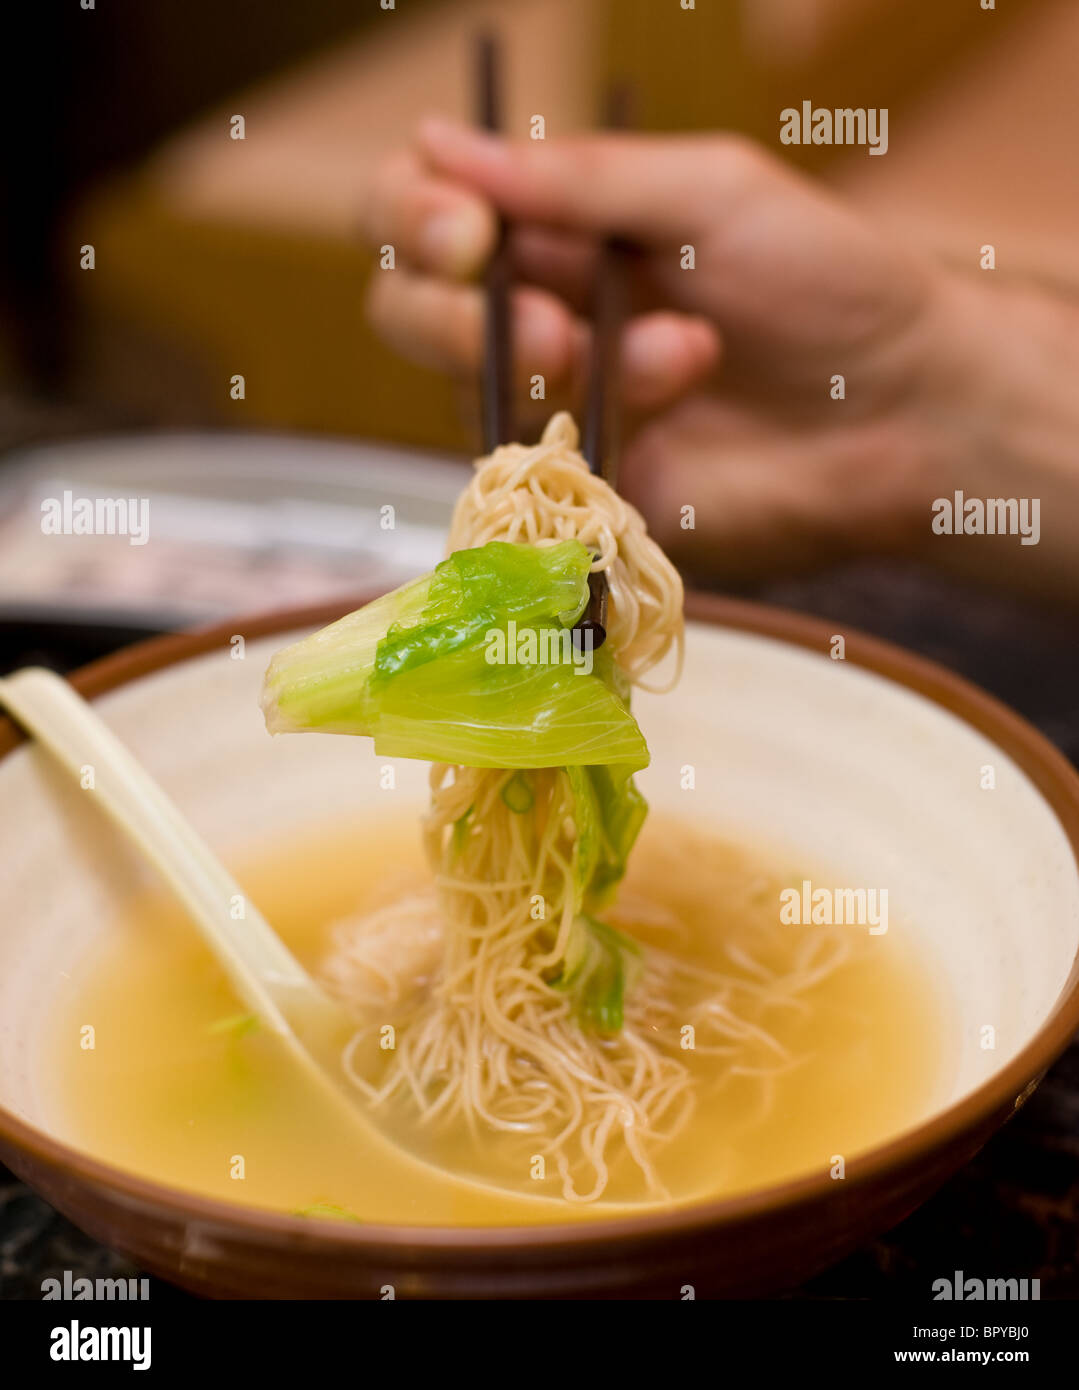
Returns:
(601,411)
(600,445)
(600,432)
(498,424)
(608,311)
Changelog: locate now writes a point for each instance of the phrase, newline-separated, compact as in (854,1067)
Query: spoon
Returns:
(311,1026)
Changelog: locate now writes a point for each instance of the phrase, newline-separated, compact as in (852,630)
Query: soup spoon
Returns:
(311,1026)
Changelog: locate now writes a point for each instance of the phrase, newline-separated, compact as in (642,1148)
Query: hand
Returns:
(727,368)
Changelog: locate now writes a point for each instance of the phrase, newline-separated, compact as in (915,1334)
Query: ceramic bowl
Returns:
(876,762)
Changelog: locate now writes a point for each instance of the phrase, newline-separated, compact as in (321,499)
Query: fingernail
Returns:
(457,240)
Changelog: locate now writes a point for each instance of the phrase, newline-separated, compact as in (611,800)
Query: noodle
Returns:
(483,1037)
(546,493)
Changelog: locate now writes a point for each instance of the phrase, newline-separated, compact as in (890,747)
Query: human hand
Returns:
(728,367)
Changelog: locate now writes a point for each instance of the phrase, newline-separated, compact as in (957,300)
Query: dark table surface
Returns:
(1011,1213)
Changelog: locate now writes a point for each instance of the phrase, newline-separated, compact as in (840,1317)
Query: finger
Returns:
(728,501)
(664,356)
(644,187)
(560,261)
(567,263)
(431,222)
(440,325)
(726,512)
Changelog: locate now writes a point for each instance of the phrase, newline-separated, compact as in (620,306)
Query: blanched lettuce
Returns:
(475,590)
(608,814)
(601,964)
(412,670)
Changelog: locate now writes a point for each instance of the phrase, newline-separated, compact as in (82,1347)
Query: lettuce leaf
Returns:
(465,710)
(474,589)
(413,670)
(608,813)
(601,964)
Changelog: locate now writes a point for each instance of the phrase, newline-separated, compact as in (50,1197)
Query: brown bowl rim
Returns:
(1046,767)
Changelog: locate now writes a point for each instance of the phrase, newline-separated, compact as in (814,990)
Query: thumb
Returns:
(646,188)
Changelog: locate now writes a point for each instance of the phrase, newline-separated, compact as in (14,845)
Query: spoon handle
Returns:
(262,970)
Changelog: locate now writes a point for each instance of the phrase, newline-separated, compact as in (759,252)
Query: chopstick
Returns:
(600,432)
(498,425)
(601,413)
(600,416)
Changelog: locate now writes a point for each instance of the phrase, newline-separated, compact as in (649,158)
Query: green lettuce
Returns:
(412,670)
(608,813)
(601,964)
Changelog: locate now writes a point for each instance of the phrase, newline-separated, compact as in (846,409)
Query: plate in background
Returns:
(237,523)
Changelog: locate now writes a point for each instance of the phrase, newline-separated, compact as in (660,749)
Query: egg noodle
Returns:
(468,973)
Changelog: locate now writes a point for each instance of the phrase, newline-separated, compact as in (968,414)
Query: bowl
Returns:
(854,753)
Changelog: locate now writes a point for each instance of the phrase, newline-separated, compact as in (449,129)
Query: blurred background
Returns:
(215,257)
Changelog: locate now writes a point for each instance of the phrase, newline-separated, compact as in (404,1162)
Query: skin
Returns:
(953,381)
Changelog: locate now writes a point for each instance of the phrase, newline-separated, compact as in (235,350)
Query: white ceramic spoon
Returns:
(265,974)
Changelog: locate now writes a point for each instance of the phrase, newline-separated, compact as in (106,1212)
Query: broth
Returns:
(173,1091)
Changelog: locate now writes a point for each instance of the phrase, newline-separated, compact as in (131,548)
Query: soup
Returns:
(180,1087)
